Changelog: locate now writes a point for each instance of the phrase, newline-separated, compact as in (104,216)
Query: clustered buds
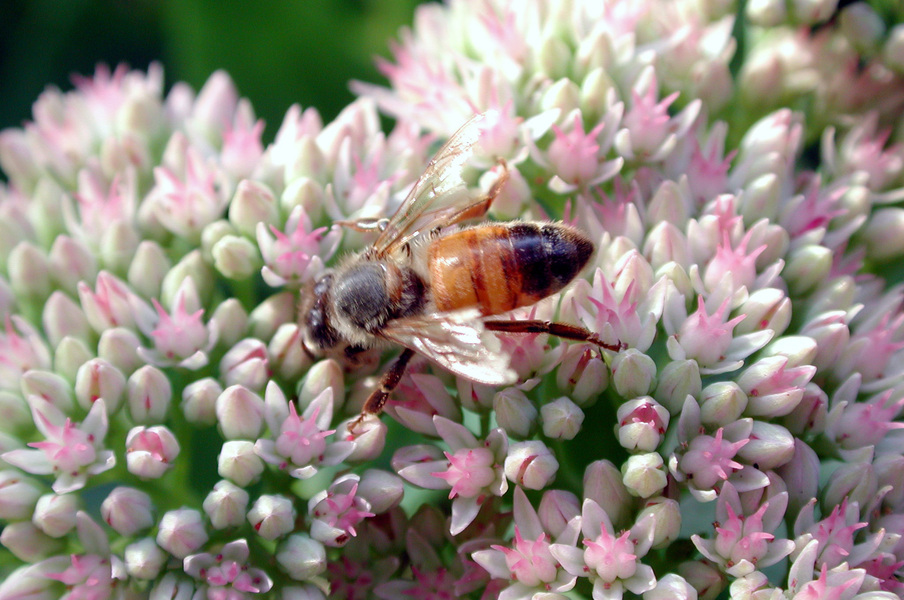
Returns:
(166,430)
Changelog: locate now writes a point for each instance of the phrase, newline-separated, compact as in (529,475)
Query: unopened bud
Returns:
(226,505)
(181,532)
(531,464)
(127,510)
(272,516)
(239,463)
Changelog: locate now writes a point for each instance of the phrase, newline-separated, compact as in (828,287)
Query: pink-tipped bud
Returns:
(642,423)
(531,464)
(127,510)
(150,451)
(557,508)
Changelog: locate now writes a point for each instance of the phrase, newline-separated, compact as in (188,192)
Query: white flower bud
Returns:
(382,490)
(29,271)
(148,268)
(231,322)
(236,257)
(119,347)
(514,412)
(302,557)
(71,353)
(99,379)
(127,510)
(199,400)
(144,559)
(55,513)
(18,495)
(150,393)
(181,532)
(28,543)
(561,418)
(272,516)
(246,364)
(644,474)
(63,316)
(633,373)
(49,386)
(240,413)
(253,203)
(239,463)
(666,514)
(322,375)
(226,505)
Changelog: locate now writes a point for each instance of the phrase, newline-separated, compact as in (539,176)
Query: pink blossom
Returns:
(744,543)
(708,339)
(242,147)
(180,337)
(111,304)
(226,574)
(336,512)
(610,560)
(737,263)
(21,350)
(300,446)
(708,459)
(150,451)
(297,256)
(527,562)
(72,452)
(472,469)
(185,202)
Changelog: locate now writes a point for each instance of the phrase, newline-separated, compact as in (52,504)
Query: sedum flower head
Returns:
(740,176)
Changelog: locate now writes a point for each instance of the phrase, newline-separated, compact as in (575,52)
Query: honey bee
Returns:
(433,290)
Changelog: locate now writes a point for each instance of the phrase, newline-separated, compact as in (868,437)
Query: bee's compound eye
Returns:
(360,295)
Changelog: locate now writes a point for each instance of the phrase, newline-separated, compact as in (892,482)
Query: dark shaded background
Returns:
(277,52)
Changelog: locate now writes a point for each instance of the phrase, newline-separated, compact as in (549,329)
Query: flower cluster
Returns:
(166,431)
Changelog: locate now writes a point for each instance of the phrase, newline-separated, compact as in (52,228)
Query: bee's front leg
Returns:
(388,383)
(365,225)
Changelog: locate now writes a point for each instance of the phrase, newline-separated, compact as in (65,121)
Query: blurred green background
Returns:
(277,52)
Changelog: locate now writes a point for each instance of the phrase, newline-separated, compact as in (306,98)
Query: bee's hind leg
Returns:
(388,383)
(562,330)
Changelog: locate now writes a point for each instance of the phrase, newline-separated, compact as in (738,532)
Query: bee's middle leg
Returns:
(390,380)
(562,330)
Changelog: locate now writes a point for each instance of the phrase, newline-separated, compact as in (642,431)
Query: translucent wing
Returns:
(456,341)
(438,194)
